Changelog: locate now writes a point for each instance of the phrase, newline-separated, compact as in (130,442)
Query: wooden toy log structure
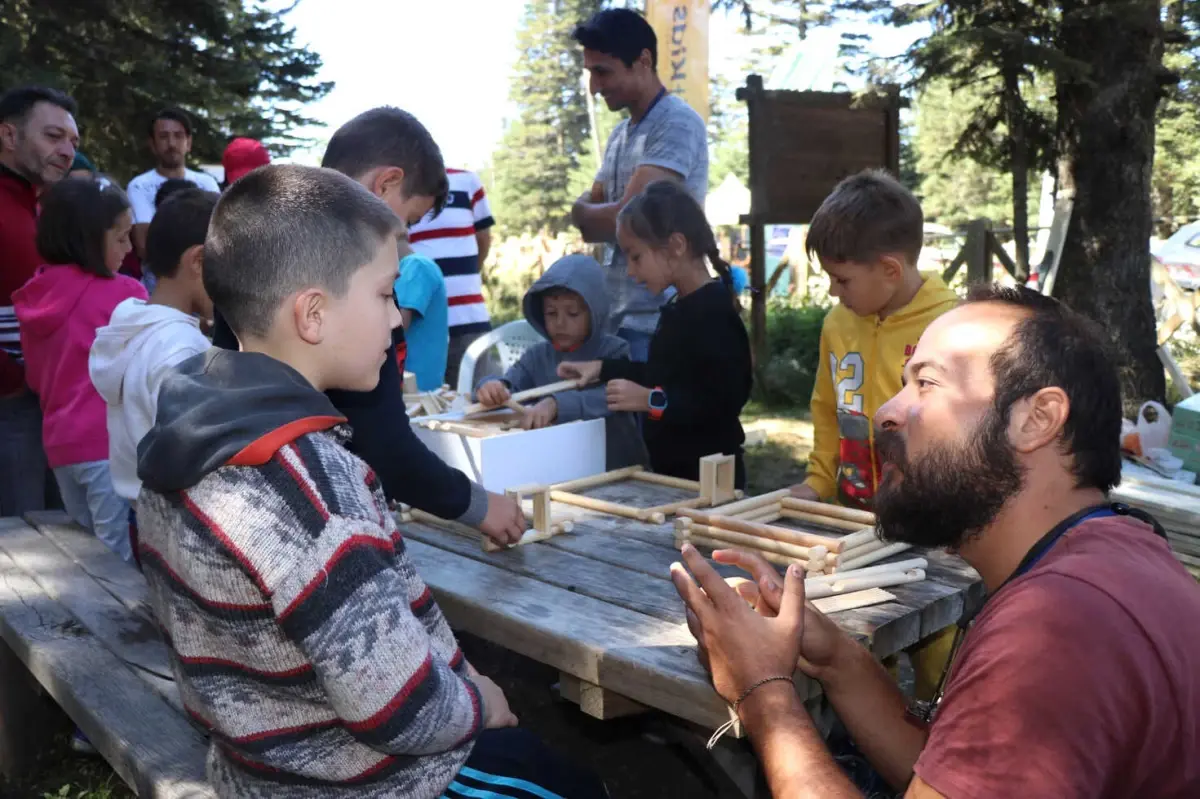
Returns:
(544,525)
(835,565)
(840,134)
(715,486)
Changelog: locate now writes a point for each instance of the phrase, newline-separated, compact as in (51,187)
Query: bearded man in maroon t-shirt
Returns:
(1080,675)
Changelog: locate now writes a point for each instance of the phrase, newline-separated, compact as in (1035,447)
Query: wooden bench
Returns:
(75,618)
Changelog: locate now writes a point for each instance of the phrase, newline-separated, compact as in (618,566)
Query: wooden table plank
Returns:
(130,637)
(114,575)
(630,553)
(635,655)
(150,745)
(618,586)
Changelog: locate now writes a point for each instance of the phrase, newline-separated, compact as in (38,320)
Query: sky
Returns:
(448,63)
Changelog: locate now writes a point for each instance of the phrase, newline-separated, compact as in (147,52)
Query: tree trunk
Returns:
(1106,140)
(1019,167)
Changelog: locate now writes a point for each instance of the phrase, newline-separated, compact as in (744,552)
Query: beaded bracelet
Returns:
(734,719)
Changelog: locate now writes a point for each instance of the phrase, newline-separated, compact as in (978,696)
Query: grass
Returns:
(781,459)
(61,773)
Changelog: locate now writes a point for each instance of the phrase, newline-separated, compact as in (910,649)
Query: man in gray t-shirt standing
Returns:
(662,138)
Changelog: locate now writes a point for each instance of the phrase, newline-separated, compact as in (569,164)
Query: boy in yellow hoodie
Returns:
(867,236)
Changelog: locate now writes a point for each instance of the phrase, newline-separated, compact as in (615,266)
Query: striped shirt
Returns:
(449,239)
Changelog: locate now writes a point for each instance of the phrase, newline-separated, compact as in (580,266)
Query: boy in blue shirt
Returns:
(425,313)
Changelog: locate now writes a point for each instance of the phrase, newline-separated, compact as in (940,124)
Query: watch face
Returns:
(658,399)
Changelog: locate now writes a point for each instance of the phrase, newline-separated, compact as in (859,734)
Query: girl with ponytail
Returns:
(697,378)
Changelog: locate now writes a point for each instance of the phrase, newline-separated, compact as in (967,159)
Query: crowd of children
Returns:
(268,544)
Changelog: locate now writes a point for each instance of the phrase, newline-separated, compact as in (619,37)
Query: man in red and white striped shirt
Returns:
(458,239)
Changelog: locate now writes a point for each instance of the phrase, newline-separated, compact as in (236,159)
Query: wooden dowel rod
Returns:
(421,516)
(603,506)
(749,503)
(785,534)
(604,478)
(818,588)
(814,587)
(751,542)
(522,396)
(873,557)
(530,537)
(902,565)
(671,508)
(765,514)
(812,518)
(470,431)
(853,553)
(862,517)
(713,543)
(864,536)
(666,480)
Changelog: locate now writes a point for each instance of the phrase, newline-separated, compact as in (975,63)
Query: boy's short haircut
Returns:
(388,136)
(179,223)
(284,228)
(618,32)
(866,216)
(169,187)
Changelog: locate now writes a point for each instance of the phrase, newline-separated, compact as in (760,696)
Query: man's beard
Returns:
(171,160)
(951,492)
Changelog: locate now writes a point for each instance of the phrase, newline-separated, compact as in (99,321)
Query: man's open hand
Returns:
(764,593)
(742,646)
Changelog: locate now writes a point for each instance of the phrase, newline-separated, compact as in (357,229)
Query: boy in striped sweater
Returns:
(301,635)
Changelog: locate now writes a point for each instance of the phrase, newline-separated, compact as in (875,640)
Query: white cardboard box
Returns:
(521,457)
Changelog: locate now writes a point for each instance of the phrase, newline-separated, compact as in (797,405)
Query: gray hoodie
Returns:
(539,364)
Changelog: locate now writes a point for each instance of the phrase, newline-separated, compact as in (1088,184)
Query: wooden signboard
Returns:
(801,145)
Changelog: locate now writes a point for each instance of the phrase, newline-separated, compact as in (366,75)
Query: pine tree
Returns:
(995,50)
(232,65)
(543,148)
(1106,143)
(1106,60)
(954,188)
(1176,179)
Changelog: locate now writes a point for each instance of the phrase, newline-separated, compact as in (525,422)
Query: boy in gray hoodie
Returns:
(568,306)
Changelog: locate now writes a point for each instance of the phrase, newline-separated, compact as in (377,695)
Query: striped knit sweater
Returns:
(300,634)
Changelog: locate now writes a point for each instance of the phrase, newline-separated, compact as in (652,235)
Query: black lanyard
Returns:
(925,710)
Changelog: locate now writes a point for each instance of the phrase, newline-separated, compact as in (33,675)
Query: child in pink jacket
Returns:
(83,235)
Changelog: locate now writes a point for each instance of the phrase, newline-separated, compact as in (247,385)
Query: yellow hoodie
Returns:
(861,363)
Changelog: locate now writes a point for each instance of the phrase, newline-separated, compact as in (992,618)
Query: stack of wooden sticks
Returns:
(834,564)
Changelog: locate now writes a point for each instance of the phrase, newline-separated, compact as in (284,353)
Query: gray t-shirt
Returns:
(670,136)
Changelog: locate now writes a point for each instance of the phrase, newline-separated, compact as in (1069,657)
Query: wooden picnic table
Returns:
(598,604)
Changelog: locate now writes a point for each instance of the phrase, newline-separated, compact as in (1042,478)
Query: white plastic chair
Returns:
(510,342)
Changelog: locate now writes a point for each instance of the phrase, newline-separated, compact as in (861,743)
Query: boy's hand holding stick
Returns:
(533,393)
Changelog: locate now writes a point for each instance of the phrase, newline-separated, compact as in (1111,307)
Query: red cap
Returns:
(241,156)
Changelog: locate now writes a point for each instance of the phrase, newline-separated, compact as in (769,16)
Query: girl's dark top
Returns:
(699,356)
